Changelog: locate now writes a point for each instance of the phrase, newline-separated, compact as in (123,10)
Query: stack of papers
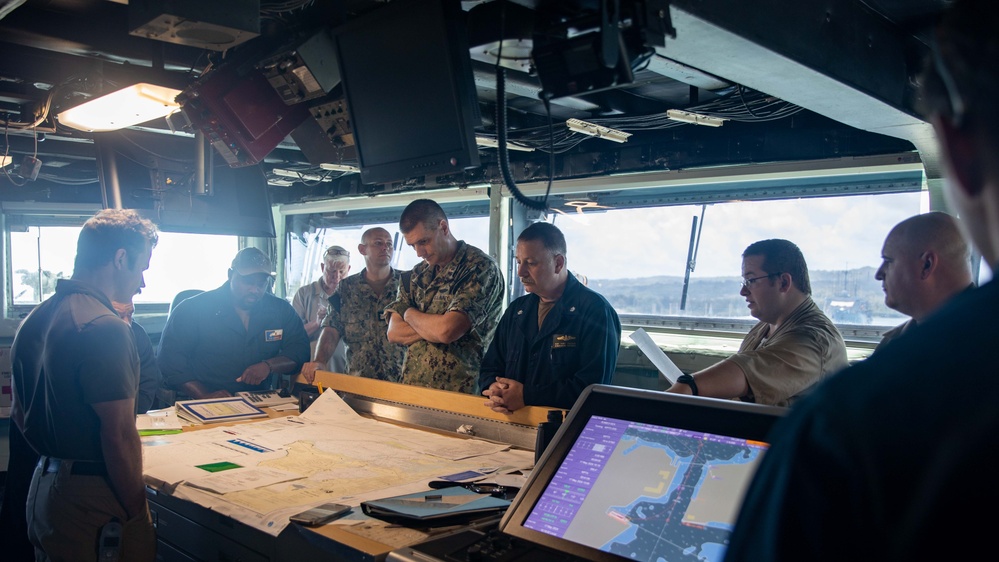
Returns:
(215,410)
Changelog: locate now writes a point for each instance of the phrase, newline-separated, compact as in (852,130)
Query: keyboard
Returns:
(266,398)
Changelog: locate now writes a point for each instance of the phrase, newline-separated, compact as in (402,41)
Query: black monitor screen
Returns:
(155,174)
(411,98)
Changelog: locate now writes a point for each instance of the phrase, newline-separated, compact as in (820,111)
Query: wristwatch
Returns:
(689,381)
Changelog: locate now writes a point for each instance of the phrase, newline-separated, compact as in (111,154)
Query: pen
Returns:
(319,385)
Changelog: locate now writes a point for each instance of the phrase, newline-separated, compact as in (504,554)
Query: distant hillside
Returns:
(852,296)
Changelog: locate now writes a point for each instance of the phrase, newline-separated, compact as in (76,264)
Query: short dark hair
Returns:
(782,256)
(960,78)
(549,235)
(107,232)
(425,211)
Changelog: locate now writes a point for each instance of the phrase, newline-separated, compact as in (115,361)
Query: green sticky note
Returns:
(146,432)
(219,466)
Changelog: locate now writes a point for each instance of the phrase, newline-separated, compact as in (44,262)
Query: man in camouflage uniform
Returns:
(448,310)
(356,316)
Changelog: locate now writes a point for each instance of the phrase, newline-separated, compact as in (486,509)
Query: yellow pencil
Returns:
(319,385)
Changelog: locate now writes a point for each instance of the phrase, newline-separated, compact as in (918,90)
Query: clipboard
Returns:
(435,507)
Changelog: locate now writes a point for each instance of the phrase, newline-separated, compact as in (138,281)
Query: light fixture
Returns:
(345,168)
(594,130)
(695,118)
(302,176)
(126,107)
(494,143)
(581,204)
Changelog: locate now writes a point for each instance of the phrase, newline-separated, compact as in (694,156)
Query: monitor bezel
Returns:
(705,415)
(458,98)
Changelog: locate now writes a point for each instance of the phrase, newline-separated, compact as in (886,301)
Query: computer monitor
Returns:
(632,475)
(407,78)
(642,476)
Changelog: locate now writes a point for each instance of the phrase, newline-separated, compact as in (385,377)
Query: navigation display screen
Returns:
(647,492)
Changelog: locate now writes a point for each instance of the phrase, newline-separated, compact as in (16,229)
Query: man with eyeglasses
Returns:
(447,311)
(310,302)
(892,459)
(925,262)
(232,338)
(356,315)
(792,347)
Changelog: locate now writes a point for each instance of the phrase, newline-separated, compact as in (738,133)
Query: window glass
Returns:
(40,255)
(306,255)
(187,261)
(637,257)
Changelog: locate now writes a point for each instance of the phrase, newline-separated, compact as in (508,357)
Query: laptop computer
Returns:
(631,475)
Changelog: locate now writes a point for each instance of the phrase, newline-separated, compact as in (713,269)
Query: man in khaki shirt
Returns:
(792,347)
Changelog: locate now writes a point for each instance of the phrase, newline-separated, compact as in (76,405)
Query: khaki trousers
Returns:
(66,513)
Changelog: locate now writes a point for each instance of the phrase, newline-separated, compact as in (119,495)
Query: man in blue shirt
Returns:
(234,337)
(553,342)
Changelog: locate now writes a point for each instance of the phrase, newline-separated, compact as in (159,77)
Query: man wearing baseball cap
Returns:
(234,337)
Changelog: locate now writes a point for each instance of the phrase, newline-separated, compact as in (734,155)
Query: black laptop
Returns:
(631,475)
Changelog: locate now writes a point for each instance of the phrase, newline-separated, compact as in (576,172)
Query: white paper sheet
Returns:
(666,367)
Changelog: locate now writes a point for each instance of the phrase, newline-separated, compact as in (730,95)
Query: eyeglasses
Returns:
(337,252)
(748,283)
(495,490)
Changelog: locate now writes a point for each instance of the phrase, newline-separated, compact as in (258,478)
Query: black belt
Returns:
(79,468)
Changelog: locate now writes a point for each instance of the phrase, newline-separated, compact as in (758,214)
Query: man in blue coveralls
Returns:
(234,337)
(553,342)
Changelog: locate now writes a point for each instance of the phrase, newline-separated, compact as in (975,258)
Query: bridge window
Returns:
(40,255)
(637,258)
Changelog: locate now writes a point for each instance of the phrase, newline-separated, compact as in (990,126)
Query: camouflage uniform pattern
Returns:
(357,313)
(471,283)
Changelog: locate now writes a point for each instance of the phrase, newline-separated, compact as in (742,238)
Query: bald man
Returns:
(925,262)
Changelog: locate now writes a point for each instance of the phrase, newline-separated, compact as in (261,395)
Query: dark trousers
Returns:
(13,523)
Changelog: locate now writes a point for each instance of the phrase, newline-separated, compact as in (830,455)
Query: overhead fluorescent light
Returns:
(303,176)
(494,143)
(594,130)
(695,118)
(126,107)
(346,168)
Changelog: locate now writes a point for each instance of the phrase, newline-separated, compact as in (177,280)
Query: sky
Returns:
(833,234)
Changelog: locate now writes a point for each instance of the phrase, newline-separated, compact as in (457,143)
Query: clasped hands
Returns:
(505,395)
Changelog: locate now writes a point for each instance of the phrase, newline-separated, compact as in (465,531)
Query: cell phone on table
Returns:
(320,514)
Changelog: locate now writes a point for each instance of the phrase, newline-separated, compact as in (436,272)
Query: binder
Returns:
(435,507)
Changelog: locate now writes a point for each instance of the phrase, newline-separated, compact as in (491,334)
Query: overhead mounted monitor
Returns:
(407,78)
(161,186)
